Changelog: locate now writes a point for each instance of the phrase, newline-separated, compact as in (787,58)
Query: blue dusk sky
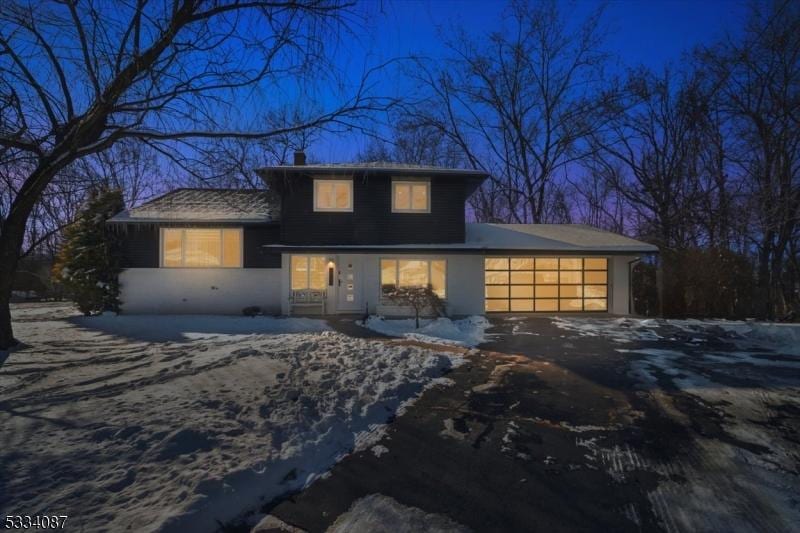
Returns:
(653,33)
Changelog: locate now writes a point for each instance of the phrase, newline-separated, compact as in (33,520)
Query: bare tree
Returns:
(519,103)
(413,142)
(77,79)
(648,156)
(759,81)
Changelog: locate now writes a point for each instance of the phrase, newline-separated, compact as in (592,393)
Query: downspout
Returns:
(631,264)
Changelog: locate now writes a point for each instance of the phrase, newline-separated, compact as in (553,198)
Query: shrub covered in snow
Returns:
(88,262)
(469,331)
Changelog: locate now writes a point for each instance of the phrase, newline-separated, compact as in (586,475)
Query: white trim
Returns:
(348,182)
(410,182)
(183,248)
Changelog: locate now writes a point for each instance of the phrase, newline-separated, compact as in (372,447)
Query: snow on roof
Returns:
(380,166)
(204,205)
(519,237)
(556,237)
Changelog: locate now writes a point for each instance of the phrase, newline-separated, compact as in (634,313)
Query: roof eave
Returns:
(465,248)
(311,169)
(115,220)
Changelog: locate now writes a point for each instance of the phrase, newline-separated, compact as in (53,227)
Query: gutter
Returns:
(631,264)
(445,248)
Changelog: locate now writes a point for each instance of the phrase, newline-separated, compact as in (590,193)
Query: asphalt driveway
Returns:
(589,425)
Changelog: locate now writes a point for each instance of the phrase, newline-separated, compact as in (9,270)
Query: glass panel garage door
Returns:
(524,284)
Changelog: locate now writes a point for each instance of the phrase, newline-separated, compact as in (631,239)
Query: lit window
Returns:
(414,273)
(201,247)
(333,195)
(411,196)
(308,272)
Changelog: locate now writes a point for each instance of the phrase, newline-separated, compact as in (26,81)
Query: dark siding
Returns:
(140,245)
(255,237)
(372,220)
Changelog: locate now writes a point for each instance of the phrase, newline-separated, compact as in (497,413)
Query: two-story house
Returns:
(333,238)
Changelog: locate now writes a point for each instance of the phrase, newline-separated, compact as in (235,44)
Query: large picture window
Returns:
(414,273)
(333,195)
(201,247)
(309,272)
(520,284)
(411,196)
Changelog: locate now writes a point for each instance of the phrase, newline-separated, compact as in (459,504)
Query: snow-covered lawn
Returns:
(143,423)
(736,385)
(469,331)
(379,513)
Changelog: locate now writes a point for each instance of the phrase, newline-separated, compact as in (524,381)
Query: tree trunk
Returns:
(12,234)
(764,283)
(10,245)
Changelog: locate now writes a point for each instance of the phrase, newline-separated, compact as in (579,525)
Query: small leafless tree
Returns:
(75,79)
(420,299)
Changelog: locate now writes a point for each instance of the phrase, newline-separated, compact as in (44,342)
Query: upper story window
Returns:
(411,196)
(201,247)
(333,195)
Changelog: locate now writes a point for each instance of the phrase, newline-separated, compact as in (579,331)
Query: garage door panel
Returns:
(522,305)
(595,277)
(547,291)
(595,304)
(522,291)
(497,291)
(497,305)
(546,305)
(546,277)
(522,278)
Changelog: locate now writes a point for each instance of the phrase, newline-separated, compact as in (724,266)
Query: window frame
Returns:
(410,182)
(319,180)
(429,260)
(183,231)
(307,258)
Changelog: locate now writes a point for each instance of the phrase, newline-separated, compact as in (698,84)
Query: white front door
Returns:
(348,283)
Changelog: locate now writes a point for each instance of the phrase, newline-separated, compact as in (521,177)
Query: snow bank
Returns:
(157,328)
(782,337)
(379,513)
(470,331)
(121,432)
(743,373)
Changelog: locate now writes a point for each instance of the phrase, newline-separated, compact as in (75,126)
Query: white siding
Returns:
(200,290)
(465,283)
(619,289)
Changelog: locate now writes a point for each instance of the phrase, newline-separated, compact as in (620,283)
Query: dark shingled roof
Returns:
(204,205)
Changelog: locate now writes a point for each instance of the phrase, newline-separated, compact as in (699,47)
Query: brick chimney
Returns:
(299,158)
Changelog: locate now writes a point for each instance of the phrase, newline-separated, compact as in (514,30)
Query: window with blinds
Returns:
(201,247)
